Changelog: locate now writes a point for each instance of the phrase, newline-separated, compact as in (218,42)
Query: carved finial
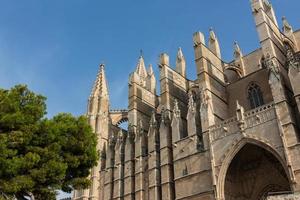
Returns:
(122,137)
(140,128)
(153,122)
(180,56)
(291,59)
(164,59)
(204,96)
(140,68)
(238,106)
(164,115)
(131,133)
(191,103)
(240,116)
(272,65)
(287,28)
(237,50)
(198,38)
(212,35)
(191,116)
(112,140)
(150,70)
(100,88)
(176,111)
(267,4)
(213,43)
(180,63)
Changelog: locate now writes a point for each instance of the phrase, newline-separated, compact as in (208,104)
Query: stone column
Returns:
(166,157)
(129,165)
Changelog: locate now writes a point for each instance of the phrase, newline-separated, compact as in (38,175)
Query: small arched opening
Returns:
(123,124)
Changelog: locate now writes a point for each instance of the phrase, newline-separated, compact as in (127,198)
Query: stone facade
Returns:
(233,133)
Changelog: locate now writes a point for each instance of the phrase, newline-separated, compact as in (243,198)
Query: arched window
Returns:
(255,96)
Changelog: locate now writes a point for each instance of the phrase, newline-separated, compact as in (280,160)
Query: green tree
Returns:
(38,155)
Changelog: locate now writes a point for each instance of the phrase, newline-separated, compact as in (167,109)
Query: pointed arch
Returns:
(232,73)
(235,149)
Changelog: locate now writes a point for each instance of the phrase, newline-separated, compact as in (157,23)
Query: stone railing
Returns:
(118,111)
(252,118)
(260,115)
(284,197)
(224,129)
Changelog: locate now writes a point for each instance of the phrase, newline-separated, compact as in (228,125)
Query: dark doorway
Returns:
(253,173)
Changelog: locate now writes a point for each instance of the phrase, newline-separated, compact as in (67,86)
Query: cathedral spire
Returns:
(99,98)
(180,63)
(140,68)
(213,43)
(100,88)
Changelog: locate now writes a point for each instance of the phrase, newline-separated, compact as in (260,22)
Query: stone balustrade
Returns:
(227,127)
(260,115)
(284,197)
(118,111)
(252,118)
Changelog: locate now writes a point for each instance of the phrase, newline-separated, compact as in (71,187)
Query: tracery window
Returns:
(255,96)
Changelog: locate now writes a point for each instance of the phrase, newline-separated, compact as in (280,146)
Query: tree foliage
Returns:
(38,155)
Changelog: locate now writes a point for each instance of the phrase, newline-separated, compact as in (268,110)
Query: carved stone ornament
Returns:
(204,98)
(176,111)
(112,141)
(153,122)
(131,135)
(292,61)
(140,128)
(272,65)
(165,116)
(121,137)
(240,116)
(191,104)
(267,4)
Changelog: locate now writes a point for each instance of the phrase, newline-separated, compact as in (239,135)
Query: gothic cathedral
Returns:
(231,134)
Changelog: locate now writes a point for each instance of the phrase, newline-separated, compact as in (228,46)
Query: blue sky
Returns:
(55,46)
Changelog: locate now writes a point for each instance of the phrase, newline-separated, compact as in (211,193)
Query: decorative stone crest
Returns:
(287,28)
(121,137)
(267,4)
(191,104)
(153,122)
(272,66)
(165,117)
(240,116)
(131,134)
(112,141)
(140,129)
(292,60)
(204,98)
(176,111)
